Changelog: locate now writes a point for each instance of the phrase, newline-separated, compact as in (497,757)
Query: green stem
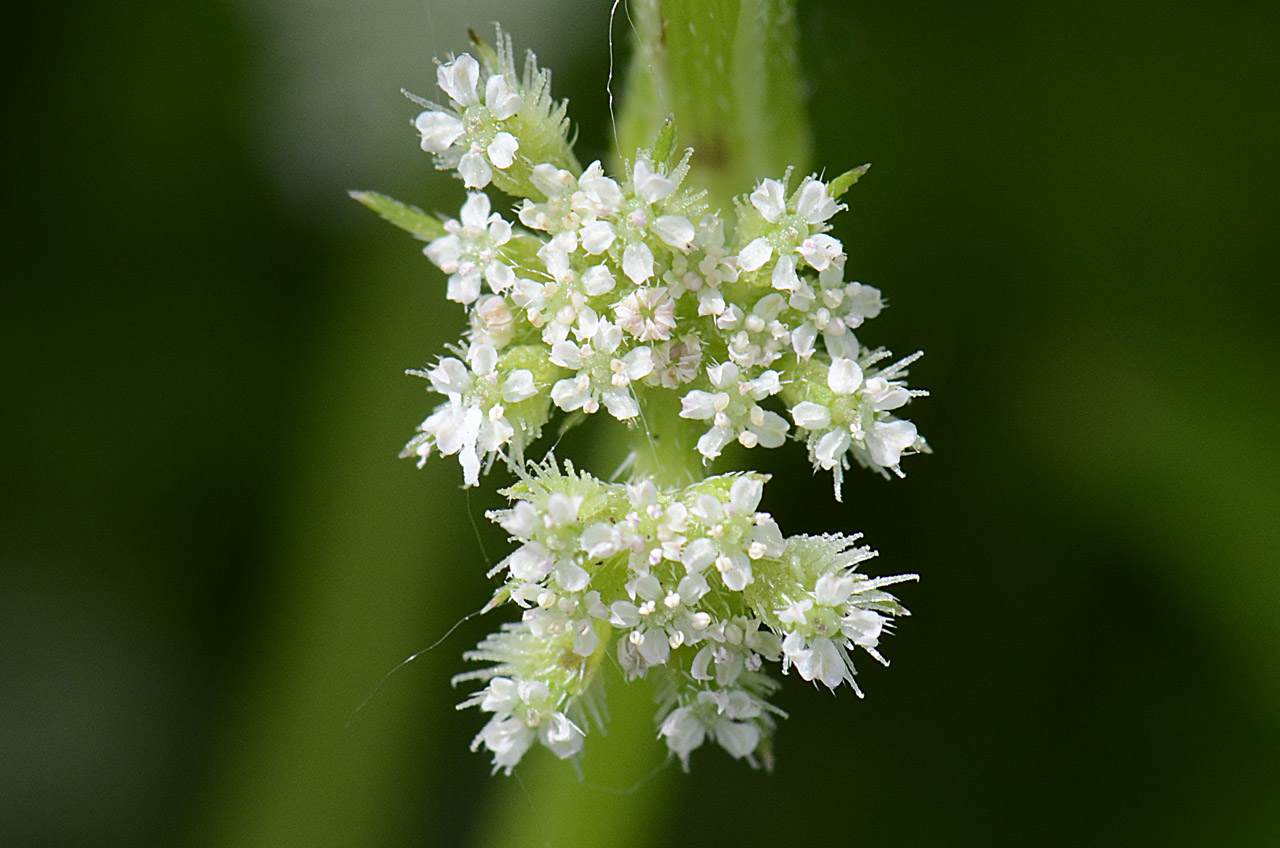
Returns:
(664,445)
(728,70)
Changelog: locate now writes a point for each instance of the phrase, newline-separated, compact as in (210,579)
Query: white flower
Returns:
(574,203)
(844,610)
(818,659)
(684,733)
(472,423)
(598,196)
(602,377)
(649,314)
(492,321)
(857,420)
(472,251)
(507,739)
(523,711)
(758,336)
(597,280)
(676,362)
(733,411)
(734,534)
(726,716)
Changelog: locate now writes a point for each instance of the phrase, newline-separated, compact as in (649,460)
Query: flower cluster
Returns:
(695,585)
(632,284)
(624,292)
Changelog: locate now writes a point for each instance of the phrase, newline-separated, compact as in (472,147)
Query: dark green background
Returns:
(210,554)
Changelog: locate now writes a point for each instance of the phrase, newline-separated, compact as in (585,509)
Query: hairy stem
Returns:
(728,70)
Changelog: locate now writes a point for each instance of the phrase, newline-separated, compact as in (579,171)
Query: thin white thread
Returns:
(475,527)
(408,660)
(635,787)
(608,85)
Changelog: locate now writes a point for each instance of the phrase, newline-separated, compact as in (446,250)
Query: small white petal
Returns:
(739,738)
(569,395)
(683,732)
(811,416)
(675,230)
(887,440)
(784,274)
(450,376)
(769,201)
(475,170)
(597,279)
(563,509)
(483,358)
(745,494)
(639,363)
(566,355)
(459,78)
(773,432)
(842,345)
(825,664)
(439,130)
(467,456)
(463,288)
(831,590)
(550,180)
(844,377)
(620,404)
(698,404)
(501,98)
(815,205)
(561,736)
(803,339)
(693,587)
(649,184)
(623,614)
(475,211)
(819,251)
(445,252)
(637,262)
(713,441)
(754,255)
(596,237)
(499,276)
(831,448)
(863,627)
(529,562)
(572,577)
(519,386)
(502,150)
(521,520)
(499,230)
(603,193)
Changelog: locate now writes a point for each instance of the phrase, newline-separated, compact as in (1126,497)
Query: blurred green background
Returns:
(210,555)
